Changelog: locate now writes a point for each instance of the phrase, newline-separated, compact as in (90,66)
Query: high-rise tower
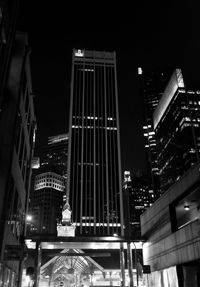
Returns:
(152,83)
(94,171)
(176,125)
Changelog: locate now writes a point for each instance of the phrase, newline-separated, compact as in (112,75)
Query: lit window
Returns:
(87,70)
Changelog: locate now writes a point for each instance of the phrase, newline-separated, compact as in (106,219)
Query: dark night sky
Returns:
(141,34)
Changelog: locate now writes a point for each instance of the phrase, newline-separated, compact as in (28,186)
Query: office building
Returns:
(152,85)
(94,171)
(56,153)
(138,196)
(176,125)
(17,133)
(46,201)
(49,186)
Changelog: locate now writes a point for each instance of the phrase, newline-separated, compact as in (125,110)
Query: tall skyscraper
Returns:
(152,86)
(176,124)
(94,171)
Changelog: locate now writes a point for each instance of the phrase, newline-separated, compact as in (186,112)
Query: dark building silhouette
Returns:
(17,134)
(94,185)
(152,86)
(176,124)
(8,20)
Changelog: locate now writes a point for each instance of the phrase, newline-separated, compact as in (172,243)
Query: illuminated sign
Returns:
(175,82)
(66,230)
(79,53)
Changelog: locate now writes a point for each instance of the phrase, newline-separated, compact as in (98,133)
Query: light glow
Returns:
(57,139)
(29,217)
(139,71)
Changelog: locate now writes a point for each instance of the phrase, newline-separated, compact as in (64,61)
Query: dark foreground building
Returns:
(17,134)
(94,185)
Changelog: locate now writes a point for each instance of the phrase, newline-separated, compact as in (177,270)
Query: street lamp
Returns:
(29,218)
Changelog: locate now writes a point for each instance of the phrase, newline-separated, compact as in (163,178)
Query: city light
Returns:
(29,217)
(139,71)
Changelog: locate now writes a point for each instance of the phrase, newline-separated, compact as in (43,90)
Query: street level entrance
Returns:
(85,261)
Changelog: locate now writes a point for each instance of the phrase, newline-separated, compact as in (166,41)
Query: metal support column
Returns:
(37,264)
(122,265)
(130,263)
(136,264)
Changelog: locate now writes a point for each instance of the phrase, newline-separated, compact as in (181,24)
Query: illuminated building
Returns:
(46,201)
(94,171)
(152,84)
(49,186)
(176,124)
(17,133)
(56,152)
(137,198)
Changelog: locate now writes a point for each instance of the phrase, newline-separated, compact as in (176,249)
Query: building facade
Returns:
(8,20)
(56,153)
(138,196)
(152,85)
(171,230)
(46,202)
(49,186)
(94,185)
(176,125)
(17,133)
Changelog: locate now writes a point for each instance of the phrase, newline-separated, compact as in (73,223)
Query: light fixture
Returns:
(29,217)
(186,206)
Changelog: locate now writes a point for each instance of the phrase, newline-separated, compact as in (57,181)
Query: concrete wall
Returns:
(164,248)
